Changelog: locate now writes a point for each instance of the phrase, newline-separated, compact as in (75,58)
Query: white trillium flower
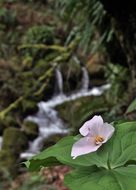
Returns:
(95,133)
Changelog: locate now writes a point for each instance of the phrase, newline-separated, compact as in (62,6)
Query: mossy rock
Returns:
(8,163)
(31,129)
(28,107)
(14,140)
(8,121)
(76,112)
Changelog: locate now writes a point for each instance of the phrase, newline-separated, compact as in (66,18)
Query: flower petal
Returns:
(106,131)
(84,146)
(92,126)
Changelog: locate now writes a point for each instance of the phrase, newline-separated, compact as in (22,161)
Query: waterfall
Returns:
(47,117)
(1,140)
(49,124)
(85,80)
(59,82)
(48,120)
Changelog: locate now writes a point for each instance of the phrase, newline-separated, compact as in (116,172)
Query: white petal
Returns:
(92,127)
(84,146)
(84,130)
(106,131)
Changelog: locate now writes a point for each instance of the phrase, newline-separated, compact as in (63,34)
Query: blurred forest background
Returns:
(69,59)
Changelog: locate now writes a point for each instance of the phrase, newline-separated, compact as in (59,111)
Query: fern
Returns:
(91,20)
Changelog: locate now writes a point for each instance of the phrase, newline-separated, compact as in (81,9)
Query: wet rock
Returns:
(14,140)
(31,129)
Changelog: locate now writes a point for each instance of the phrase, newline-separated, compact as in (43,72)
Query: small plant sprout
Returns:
(95,133)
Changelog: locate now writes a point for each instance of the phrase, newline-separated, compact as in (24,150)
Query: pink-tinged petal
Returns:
(84,130)
(84,146)
(106,132)
(92,127)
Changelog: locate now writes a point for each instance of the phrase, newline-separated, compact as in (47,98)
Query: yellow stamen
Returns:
(98,139)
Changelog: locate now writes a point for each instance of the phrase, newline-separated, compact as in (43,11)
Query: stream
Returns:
(47,117)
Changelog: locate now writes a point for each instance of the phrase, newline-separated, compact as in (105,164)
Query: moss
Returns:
(8,162)
(31,129)
(8,121)
(14,140)
(28,107)
(12,106)
(38,35)
(30,87)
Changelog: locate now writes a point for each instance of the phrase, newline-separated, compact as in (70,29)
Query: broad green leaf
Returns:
(117,152)
(88,179)
(131,107)
(62,152)
(123,147)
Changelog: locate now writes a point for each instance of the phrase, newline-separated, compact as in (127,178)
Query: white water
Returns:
(49,124)
(59,82)
(1,140)
(47,117)
(85,80)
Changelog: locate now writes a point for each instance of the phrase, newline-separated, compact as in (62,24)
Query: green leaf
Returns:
(108,168)
(123,178)
(62,152)
(118,151)
(131,107)
(123,148)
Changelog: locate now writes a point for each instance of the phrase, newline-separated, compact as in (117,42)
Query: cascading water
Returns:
(49,124)
(1,139)
(59,82)
(85,80)
(47,117)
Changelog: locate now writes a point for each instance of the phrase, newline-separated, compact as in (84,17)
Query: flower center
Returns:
(98,140)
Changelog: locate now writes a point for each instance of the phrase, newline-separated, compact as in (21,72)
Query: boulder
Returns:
(14,140)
